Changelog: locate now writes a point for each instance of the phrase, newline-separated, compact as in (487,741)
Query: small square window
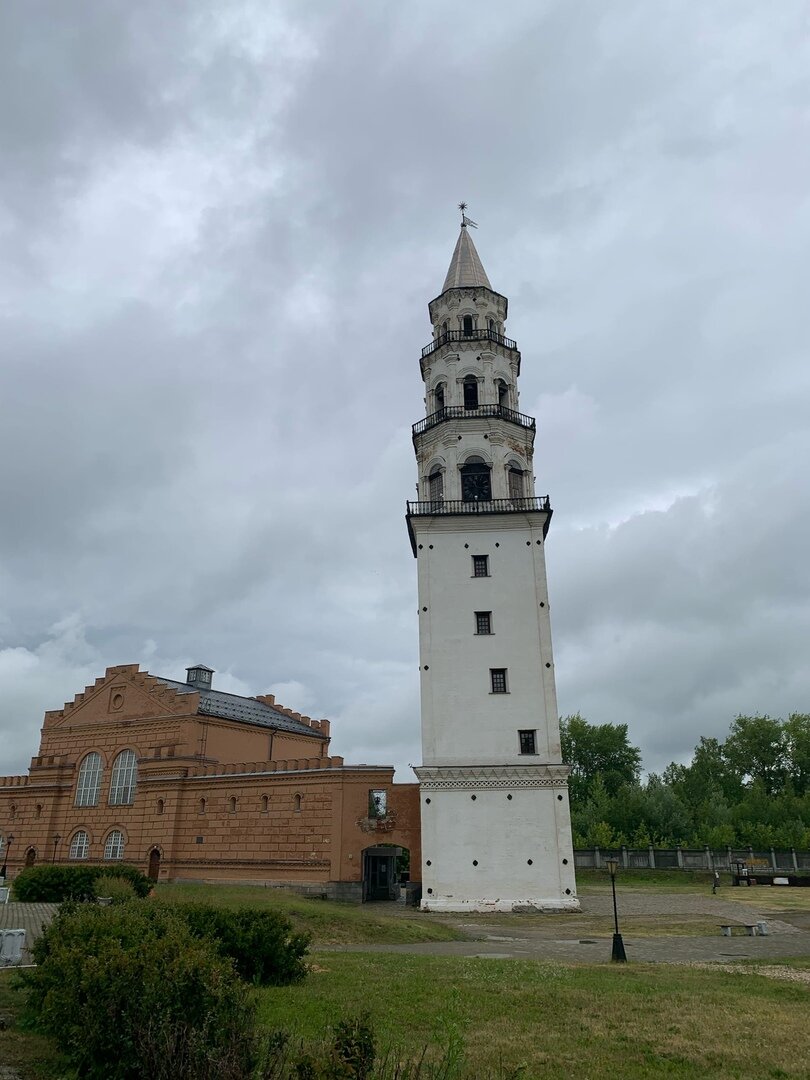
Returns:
(483,622)
(480,565)
(497,676)
(528,742)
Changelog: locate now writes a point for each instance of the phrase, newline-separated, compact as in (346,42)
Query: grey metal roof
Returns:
(466,269)
(245,709)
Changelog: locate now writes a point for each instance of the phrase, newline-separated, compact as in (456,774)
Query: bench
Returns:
(751,929)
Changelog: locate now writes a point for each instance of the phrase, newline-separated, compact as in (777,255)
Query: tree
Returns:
(758,749)
(597,750)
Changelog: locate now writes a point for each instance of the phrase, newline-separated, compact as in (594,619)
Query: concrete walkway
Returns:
(28,917)
(662,936)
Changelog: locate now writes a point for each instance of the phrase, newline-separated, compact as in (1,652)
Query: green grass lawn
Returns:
(654,880)
(34,1056)
(329,923)
(591,1022)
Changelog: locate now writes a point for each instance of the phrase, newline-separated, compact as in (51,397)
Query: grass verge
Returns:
(34,1056)
(329,923)
(639,1021)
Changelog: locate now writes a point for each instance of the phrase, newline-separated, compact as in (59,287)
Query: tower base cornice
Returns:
(449,777)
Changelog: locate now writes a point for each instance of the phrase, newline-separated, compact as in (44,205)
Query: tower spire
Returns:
(466,269)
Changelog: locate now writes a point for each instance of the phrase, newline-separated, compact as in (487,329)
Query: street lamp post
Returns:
(4,867)
(56,840)
(618,955)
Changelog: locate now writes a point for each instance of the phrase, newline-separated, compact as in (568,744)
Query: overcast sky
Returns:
(220,226)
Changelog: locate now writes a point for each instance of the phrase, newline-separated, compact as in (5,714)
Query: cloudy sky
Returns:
(220,226)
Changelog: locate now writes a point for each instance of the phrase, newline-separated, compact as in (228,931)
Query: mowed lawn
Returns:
(586,1022)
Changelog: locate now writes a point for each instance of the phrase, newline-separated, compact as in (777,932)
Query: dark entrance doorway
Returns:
(154,864)
(30,857)
(380,877)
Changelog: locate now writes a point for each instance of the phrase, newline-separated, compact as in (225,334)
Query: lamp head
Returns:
(612,866)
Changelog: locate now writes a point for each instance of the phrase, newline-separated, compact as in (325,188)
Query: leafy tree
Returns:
(597,750)
(758,749)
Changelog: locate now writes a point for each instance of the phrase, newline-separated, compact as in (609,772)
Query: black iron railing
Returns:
(458,412)
(468,335)
(489,506)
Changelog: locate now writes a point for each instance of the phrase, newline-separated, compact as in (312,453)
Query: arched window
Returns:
(476,483)
(297,804)
(470,392)
(503,393)
(114,845)
(265,804)
(201,806)
(232,805)
(438,397)
(161,806)
(444,329)
(467,325)
(493,329)
(89,783)
(436,486)
(515,479)
(79,845)
(12,813)
(124,778)
(38,810)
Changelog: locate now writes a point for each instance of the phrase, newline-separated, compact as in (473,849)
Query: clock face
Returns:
(475,487)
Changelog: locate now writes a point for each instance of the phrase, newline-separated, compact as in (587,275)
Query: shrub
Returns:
(261,943)
(53,884)
(128,992)
(119,889)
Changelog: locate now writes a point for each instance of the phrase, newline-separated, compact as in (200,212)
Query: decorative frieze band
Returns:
(535,782)
(443,778)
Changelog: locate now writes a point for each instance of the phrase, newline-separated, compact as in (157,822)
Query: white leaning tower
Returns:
(496,828)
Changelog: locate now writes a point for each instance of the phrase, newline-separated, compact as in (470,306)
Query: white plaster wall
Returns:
(462,721)
(502,834)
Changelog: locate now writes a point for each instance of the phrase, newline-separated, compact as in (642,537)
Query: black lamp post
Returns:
(4,867)
(56,840)
(618,954)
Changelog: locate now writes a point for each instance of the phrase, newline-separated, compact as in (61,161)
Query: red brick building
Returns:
(190,783)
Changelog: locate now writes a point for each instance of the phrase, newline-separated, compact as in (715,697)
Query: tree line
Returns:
(750,790)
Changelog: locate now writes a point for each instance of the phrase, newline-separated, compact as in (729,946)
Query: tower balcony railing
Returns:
(469,335)
(458,412)
(479,506)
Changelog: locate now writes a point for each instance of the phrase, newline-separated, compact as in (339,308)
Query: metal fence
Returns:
(691,858)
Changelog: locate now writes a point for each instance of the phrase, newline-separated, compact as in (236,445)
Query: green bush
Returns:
(117,889)
(128,992)
(52,884)
(261,943)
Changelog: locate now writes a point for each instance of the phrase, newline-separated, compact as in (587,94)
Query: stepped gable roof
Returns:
(466,269)
(247,710)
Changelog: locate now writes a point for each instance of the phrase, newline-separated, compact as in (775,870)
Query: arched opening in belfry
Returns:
(467,325)
(515,481)
(503,393)
(436,486)
(470,385)
(476,480)
(438,398)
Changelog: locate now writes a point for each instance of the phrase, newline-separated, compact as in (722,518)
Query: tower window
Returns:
(436,486)
(483,622)
(438,397)
(497,679)
(528,742)
(471,392)
(492,327)
(476,484)
(503,394)
(515,478)
(480,565)
(467,325)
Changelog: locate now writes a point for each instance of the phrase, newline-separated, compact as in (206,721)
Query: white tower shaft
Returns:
(496,832)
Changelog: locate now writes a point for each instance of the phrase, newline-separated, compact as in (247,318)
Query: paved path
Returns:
(586,937)
(28,917)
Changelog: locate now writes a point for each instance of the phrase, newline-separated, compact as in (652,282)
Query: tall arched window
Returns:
(503,393)
(124,779)
(444,329)
(79,845)
(89,783)
(161,806)
(114,845)
(438,397)
(232,805)
(493,329)
(265,804)
(476,483)
(470,392)
(467,325)
(436,486)
(297,804)
(515,479)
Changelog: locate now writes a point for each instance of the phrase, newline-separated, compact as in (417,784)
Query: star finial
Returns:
(465,221)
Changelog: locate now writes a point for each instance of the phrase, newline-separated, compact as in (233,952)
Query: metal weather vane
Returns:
(465,221)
